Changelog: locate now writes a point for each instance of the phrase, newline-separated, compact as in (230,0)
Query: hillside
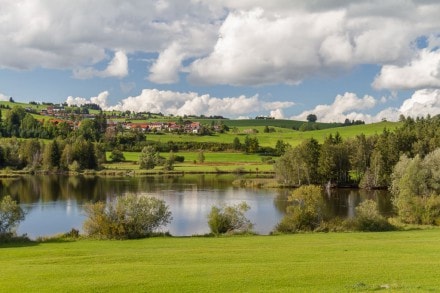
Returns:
(280,129)
(290,136)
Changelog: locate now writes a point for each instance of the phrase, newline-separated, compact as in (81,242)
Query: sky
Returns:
(338,59)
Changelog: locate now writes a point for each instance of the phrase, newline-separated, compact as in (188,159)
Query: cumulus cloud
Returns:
(177,103)
(422,72)
(286,43)
(75,34)
(218,41)
(343,107)
(422,103)
(100,100)
(118,67)
(3,97)
(167,66)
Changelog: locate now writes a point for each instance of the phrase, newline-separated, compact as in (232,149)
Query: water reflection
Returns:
(54,203)
(343,202)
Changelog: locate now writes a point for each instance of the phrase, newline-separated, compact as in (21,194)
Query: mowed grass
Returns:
(336,262)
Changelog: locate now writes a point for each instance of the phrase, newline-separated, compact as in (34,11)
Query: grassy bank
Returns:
(336,262)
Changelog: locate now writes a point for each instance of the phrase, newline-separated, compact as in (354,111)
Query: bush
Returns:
(117,156)
(148,158)
(368,218)
(416,187)
(307,211)
(10,215)
(229,219)
(128,217)
(179,159)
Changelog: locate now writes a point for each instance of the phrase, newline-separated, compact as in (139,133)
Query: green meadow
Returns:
(215,162)
(406,261)
(293,137)
(236,161)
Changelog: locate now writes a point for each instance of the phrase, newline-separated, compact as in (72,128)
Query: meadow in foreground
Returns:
(404,261)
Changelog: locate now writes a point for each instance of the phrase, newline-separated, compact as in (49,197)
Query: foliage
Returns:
(168,164)
(368,218)
(117,156)
(127,217)
(236,144)
(309,126)
(307,211)
(148,158)
(251,145)
(201,157)
(229,219)
(10,215)
(334,162)
(416,187)
(281,147)
(299,165)
(52,155)
(312,118)
(179,159)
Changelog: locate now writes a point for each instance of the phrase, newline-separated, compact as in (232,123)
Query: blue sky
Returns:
(338,59)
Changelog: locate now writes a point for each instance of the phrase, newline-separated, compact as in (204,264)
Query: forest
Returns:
(362,161)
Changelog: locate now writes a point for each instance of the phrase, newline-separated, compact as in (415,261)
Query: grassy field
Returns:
(292,137)
(214,162)
(337,262)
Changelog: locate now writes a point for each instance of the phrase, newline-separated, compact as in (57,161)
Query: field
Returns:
(237,162)
(290,136)
(336,262)
(214,162)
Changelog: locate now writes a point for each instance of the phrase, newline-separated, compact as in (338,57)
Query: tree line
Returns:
(362,161)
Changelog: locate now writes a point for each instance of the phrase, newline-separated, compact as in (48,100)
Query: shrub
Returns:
(148,158)
(416,187)
(307,211)
(10,215)
(117,156)
(179,159)
(75,167)
(229,219)
(201,157)
(127,217)
(368,218)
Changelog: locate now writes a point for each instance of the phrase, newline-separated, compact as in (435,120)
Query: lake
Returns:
(54,204)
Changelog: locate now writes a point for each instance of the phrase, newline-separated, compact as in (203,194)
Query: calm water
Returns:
(53,204)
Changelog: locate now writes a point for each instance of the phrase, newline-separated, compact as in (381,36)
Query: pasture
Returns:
(404,261)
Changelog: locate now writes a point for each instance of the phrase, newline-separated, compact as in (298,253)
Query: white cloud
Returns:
(167,66)
(3,97)
(117,67)
(422,103)
(76,101)
(343,107)
(100,100)
(286,43)
(217,41)
(277,114)
(75,34)
(177,103)
(422,72)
